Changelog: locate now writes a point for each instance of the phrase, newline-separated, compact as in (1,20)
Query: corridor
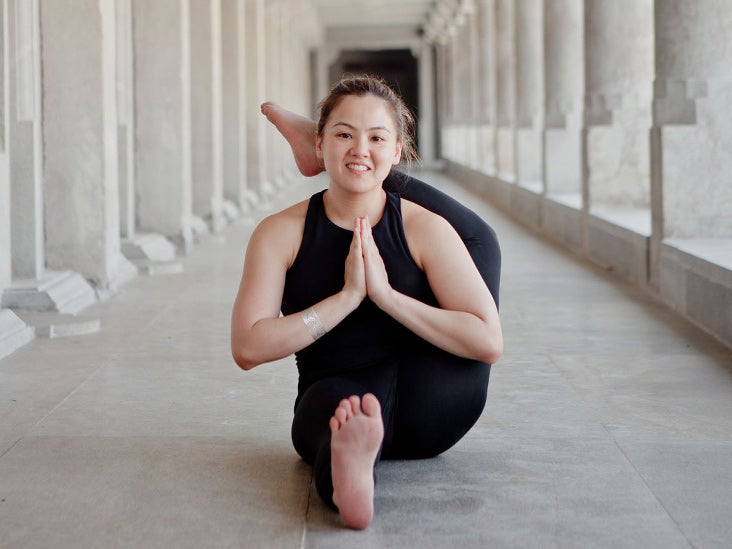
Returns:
(608,423)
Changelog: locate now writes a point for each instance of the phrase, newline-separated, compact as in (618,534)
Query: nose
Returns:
(360,146)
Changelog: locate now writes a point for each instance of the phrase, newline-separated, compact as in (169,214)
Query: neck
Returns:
(343,208)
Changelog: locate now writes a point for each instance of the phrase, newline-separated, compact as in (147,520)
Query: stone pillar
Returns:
(205,112)
(163,119)
(487,74)
(218,221)
(80,140)
(506,93)
(530,93)
(692,123)
(25,142)
(125,120)
(564,91)
(618,83)
(472,101)
(5,250)
(274,23)
(427,107)
(233,103)
(256,94)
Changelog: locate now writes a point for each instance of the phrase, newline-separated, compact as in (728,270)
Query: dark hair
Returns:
(361,85)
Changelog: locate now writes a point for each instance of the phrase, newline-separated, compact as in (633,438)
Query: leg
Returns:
(479,237)
(339,432)
(439,398)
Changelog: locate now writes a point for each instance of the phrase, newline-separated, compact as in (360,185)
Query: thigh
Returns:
(439,397)
(479,237)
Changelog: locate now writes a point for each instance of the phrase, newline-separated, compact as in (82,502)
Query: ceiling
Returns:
(342,14)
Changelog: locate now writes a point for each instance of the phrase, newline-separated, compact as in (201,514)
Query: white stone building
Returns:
(131,128)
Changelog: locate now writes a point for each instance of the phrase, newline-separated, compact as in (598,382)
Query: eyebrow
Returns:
(354,127)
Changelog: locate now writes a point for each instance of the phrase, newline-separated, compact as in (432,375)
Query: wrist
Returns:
(351,299)
(386,300)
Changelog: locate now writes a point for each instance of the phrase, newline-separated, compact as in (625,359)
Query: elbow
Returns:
(492,351)
(492,356)
(243,360)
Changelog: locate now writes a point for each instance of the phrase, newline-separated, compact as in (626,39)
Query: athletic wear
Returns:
(429,398)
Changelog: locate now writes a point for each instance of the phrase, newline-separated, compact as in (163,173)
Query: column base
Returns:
(151,246)
(14,333)
(57,291)
(53,325)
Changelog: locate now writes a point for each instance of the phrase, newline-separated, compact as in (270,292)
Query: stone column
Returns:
(80,128)
(274,23)
(125,120)
(205,113)
(487,74)
(564,90)
(529,93)
(13,331)
(5,250)
(256,94)
(233,104)
(506,92)
(472,102)
(618,84)
(692,123)
(427,107)
(25,142)
(163,119)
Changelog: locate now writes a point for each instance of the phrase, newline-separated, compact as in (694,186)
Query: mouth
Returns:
(359,168)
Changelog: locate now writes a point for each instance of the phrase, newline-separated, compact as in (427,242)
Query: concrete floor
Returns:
(608,424)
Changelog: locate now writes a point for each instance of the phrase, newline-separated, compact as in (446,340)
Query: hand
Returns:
(377,281)
(355,276)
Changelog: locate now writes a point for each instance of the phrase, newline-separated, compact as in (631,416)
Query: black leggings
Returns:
(429,398)
(479,238)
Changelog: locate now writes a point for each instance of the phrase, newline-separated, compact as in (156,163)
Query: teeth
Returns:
(357,167)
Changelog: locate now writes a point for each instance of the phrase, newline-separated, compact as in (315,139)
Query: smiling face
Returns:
(359,143)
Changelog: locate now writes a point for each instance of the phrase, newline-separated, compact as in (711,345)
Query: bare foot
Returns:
(299,132)
(356,434)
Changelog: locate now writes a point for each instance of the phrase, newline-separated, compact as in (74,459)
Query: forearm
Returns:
(270,339)
(461,333)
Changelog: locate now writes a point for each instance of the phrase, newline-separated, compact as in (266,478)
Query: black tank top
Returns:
(368,334)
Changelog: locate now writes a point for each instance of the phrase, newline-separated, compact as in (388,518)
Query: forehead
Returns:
(365,111)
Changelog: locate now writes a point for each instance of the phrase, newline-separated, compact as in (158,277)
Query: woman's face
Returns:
(359,143)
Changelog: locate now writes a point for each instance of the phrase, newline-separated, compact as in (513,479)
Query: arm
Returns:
(466,323)
(258,333)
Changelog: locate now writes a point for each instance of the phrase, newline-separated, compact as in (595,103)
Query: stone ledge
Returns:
(619,249)
(14,333)
(695,278)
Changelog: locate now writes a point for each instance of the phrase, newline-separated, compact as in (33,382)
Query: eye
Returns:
(344,135)
(378,138)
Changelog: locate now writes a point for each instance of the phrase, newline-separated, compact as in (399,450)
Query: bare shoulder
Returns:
(427,233)
(282,230)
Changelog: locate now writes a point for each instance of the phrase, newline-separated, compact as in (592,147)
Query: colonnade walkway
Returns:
(608,424)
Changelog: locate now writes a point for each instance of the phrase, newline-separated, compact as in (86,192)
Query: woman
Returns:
(392,326)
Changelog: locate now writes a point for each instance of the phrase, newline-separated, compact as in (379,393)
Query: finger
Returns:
(356,241)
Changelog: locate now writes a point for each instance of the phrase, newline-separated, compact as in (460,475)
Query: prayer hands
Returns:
(365,270)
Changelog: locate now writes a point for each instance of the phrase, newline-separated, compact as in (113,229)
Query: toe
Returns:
(370,405)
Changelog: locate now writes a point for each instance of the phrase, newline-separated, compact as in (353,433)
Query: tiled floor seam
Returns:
(623,453)
(645,483)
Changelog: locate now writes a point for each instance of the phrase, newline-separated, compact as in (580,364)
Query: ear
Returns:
(398,154)
(319,147)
